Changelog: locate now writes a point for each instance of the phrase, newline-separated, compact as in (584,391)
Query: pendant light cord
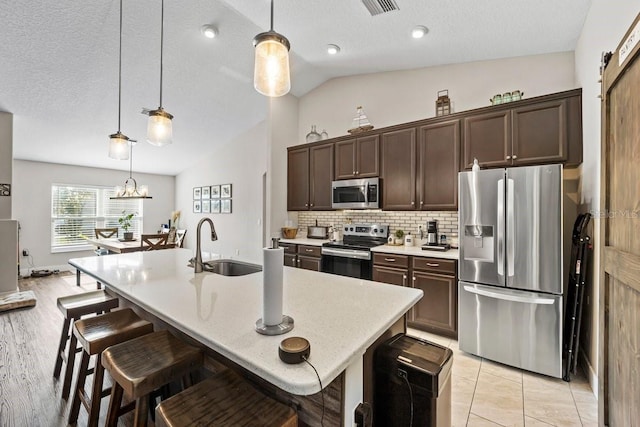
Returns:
(120,71)
(271,16)
(130,160)
(161,46)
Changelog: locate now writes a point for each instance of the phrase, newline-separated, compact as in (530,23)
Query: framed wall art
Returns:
(225,191)
(225,206)
(197,207)
(197,193)
(206,206)
(215,191)
(206,193)
(215,205)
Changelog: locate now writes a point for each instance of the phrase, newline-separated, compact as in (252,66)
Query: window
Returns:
(76,210)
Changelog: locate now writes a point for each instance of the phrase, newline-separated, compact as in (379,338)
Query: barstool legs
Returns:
(82,377)
(63,343)
(68,373)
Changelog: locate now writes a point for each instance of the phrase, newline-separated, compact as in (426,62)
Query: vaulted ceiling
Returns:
(59,62)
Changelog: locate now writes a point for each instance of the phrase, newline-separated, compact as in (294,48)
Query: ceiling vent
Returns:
(376,7)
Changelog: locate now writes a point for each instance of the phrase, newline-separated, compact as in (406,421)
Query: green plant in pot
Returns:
(399,237)
(125,224)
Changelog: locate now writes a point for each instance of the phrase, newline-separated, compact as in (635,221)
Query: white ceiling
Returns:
(59,63)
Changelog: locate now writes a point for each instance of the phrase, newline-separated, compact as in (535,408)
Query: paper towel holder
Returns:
(281,328)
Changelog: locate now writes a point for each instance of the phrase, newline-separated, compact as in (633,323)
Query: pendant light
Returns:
(271,72)
(131,189)
(159,128)
(119,142)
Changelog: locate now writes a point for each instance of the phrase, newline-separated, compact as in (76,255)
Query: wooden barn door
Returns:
(619,361)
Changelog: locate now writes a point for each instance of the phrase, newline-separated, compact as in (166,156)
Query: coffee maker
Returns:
(432,233)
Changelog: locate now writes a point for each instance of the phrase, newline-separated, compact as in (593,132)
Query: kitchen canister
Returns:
(408,240)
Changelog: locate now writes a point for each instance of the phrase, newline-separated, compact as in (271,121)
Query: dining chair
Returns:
(180,238)
(152,242)
(104,233)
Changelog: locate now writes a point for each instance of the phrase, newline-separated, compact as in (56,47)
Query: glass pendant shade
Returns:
(119,146)
(271,73)
(159,128)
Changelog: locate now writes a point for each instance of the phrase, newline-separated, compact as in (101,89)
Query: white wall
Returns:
(32,203)
(6,156)
(242,163)
(606,24)
(401,96)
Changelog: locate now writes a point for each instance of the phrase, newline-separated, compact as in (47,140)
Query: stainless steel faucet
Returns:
(214,237)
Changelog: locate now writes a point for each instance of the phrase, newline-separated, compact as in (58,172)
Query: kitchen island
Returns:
(341,317)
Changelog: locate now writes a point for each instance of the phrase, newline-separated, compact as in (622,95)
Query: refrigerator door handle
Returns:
(508,297)
(500,226)
(511,229)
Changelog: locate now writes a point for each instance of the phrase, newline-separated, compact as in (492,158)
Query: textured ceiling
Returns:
(58,63)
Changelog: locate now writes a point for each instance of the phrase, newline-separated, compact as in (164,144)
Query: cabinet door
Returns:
(394,276)
(345,159)
(309,263)
(290,260)
(438,165)
(368,157)
(487,137)
(320,177)
(540,133)
(298,179)
(436,310)
(399,169)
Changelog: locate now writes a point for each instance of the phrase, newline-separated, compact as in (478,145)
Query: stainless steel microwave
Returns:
(356,194)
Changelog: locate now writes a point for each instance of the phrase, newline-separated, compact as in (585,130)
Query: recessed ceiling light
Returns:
(209,31)
(332,49)
(418,32)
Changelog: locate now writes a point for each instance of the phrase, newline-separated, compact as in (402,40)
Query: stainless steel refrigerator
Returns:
(510,269)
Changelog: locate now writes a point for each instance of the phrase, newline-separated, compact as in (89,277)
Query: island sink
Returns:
(228,267)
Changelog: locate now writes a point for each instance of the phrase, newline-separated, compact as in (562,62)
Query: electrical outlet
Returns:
(237,251)
(25,252)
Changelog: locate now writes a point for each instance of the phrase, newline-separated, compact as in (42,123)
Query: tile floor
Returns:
(486,393)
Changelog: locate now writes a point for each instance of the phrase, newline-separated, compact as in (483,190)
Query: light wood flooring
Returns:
(483,393)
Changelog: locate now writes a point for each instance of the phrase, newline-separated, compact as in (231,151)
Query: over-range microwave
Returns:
(356,194)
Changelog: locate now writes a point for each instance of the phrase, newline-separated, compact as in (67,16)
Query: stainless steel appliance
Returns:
(510,267)
(352,255)
(356,194)
(317,231)
(432,232)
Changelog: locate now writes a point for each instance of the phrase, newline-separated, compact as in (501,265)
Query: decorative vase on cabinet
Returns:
(313,136)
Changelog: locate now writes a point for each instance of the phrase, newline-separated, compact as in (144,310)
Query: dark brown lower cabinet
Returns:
(309,263)
(437,310)
(290,260)
(302,256)
(393,276)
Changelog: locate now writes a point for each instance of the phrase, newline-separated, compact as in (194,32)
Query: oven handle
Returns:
(347,253)
(366,193)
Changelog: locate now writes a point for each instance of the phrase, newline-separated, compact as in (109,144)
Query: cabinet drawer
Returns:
(310,250)
(393,276)
(446,266)
(391,260)
(289,248)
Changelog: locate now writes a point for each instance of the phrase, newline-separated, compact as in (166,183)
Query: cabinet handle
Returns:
(508,157)
(353,172)
(421,202)
(413,203)
(430,264)
(306,205)
(514,157)
(404,280)
(298,261)
(308,250)
(390,259)
(357,172)
(311,204)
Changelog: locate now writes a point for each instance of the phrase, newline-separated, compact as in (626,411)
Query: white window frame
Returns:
(98,218)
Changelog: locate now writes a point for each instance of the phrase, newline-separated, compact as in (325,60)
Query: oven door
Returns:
(355,194)
(347,262)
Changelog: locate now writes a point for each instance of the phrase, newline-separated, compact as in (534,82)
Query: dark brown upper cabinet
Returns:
(547,129)
(357,158)
(399,169)
(438,165)
(309,177)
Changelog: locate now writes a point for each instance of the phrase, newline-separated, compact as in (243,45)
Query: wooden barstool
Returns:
(142,365)
(224,400)
(73,307)
(94,335)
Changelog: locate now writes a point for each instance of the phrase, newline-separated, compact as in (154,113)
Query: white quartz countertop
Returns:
(305,241)
(416,251)
(340,316)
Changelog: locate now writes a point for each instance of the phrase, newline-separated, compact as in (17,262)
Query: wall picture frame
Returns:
(206,193)
(197,193)
(206,206)
(197,207)
(215,191)
(225,206)
(215,205)
(225,191)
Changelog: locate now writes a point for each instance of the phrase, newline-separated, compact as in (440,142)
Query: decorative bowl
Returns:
(289,232)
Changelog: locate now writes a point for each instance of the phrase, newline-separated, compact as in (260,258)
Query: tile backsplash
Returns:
(407,221)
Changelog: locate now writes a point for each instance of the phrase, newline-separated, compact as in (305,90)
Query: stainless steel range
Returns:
(352,256)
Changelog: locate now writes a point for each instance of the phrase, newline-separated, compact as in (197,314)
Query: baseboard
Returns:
(590,373)
(26,272)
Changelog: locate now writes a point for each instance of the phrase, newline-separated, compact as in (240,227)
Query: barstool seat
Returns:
(74,307)
(94,335)
(142,365)
(224,400)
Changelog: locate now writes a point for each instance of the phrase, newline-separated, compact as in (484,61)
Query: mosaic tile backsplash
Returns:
(407,221)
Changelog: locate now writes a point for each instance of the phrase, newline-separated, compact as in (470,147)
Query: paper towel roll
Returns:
(272,286)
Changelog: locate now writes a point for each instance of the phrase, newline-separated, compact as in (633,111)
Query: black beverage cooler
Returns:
(412,380)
